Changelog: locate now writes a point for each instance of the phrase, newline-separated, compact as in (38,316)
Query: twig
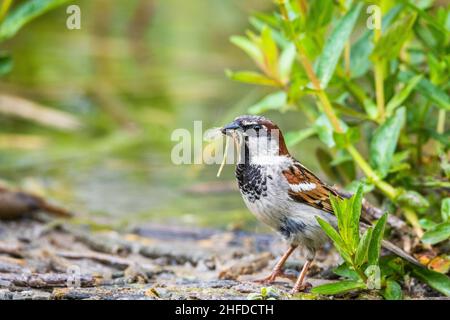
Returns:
(45,280)
(97,242)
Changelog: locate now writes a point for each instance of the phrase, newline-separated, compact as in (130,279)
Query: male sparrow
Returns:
(282,193)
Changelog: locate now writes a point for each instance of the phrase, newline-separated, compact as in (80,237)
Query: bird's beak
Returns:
(230,127)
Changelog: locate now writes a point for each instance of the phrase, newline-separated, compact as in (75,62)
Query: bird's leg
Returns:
(299,285)
(277,270)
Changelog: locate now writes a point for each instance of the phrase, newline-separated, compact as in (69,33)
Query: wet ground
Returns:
(53,259)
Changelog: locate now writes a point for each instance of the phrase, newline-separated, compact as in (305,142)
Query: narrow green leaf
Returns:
(251,77)
(325,131)
(429,90)
(344,270)
(24,13)
(363,248)
(338,242)
(355,213)
(391,41)
(439,233)
(436,280)
(427,224)
(412,199)
(338,287)
(384,142)
(320,13)
(445,209)
(294,137)
(363,47)
(335,45)
(270,51)
(393,291)
(250,48)
(274,101)
(338,209)
(375,242)
(402,95)
(287,59)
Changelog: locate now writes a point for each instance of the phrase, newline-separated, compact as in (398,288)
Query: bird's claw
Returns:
(301,288)
(273,276)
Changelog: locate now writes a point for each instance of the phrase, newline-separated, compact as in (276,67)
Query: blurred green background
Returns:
(135,71)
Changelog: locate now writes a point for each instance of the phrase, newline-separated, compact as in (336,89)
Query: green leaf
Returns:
(274,101)
(350,136)
(393,291)
(412,199)
(251,77)
(344,270)
(363,248)
(250,48)
(355,213)
(339,244)
(436,280)
(402,95)
(24,13)
(338,287)
(325,131)
(339,206)
(384,142)
(294,137)
(375,242)
(320,13)
(391,41)
(429,90)
(360,95)
(445,209)
(361,50)
(6,63)
(427,224)
(270,51)
(286,61)
(335,45)
(439,233)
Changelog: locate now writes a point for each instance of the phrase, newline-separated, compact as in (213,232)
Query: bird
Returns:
(283,193)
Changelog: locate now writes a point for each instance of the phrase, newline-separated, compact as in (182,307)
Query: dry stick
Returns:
(45,280)
(103,258)
(98,242)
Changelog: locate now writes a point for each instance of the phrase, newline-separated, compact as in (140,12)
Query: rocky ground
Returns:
(58,260)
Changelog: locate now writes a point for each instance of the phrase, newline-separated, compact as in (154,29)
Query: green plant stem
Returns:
(379,73)
(441,122)
(6,4)
(328,109)
(361,274)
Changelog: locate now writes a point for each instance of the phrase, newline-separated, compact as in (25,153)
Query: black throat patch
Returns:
(252,180)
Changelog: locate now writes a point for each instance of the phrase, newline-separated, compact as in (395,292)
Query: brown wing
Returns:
(309,189)
(317,197)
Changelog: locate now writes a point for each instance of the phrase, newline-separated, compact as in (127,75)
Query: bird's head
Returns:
(261,136)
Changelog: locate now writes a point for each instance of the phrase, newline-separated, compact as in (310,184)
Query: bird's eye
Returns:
(257,127)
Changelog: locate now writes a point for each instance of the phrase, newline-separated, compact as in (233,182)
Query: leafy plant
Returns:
(363,268)
(12,19)
(360,253)
(380,97)
(267,293)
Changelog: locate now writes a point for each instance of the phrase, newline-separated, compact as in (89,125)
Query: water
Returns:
(131,80)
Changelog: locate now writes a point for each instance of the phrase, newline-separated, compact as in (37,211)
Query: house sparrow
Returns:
(282,193)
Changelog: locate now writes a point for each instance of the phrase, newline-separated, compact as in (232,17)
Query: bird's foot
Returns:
(274,275)
(304,287)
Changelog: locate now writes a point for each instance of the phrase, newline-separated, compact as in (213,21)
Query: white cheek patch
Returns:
(307,186)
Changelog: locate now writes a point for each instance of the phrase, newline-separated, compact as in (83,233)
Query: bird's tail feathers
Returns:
(401,253)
